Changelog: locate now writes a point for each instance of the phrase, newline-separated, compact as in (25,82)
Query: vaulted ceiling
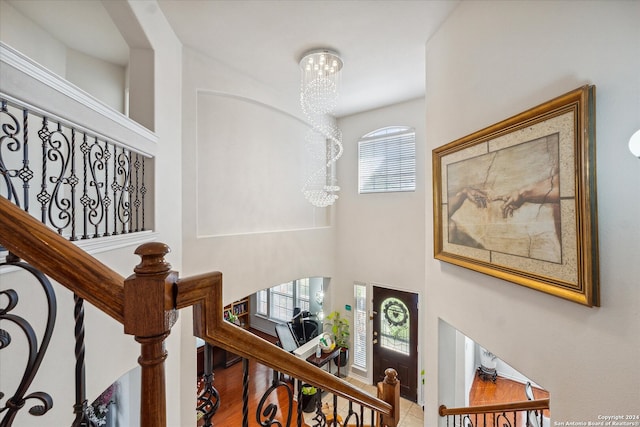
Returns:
(381,42)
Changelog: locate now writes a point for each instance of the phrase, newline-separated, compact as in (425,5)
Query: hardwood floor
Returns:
(502,391)
(228,382)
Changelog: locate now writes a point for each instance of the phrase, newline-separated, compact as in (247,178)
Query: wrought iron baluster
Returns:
(57,145)
(130,191)
(9,139)
(209,399)
(114,188)
(505,423)
(18,400)
(73,181)
(351,415)
(96,163)
(107,199)
(80,406)
(270,411)
(123,208)
(85,200)
(319,418)
(143,191)
(335,410)
(26,174)
(245,392)
(466,421)
(299,406)
(43,196)
(137,191)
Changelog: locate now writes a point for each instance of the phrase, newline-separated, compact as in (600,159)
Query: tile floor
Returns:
(411,414)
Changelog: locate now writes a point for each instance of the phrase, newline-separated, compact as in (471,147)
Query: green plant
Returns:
(309,390)
(339,328)
(230,317)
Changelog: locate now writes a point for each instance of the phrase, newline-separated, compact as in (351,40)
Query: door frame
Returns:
(369,334)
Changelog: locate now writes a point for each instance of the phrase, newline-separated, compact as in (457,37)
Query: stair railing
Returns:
(147,304)
(527,413)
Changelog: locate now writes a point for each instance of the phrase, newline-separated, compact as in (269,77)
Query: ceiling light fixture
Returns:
(319,91)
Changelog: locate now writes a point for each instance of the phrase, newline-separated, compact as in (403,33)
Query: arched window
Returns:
(387,160)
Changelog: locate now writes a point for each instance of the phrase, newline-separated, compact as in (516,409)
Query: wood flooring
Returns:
(502,391)
(228,382)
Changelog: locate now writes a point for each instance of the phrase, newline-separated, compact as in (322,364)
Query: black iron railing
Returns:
(287,412)
(528,413)
(81,184)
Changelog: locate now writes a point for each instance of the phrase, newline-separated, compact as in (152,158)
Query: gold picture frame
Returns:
(517,200)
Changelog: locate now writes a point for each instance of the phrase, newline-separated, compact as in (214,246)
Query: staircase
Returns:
(147,304)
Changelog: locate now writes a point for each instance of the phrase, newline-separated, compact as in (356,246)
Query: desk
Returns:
(324,359)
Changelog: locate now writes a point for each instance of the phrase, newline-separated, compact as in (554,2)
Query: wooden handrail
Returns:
(205,293)
(56,257)
(525,405)
(29,239)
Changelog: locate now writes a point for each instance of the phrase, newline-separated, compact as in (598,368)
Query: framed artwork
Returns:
(517,200)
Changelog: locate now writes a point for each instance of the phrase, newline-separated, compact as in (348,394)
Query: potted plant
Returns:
(340,330)
(309,398)
(230,317)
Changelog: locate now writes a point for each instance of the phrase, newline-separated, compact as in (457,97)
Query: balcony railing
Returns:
(81,184)
(528,413)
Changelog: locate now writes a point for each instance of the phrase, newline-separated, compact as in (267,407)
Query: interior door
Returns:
(395,338)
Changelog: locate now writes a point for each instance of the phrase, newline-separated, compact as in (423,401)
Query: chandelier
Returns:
(318,99)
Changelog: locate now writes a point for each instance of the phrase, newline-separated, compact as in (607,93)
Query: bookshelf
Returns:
(240,309)
(222,357)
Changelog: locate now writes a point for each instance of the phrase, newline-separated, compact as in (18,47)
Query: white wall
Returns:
(23,34)
(380,235)
(167,118)
(244,213)
(101,79)
(110,353)
(489,61)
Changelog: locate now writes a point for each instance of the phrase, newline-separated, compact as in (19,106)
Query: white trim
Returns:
(109,243)
(40,74)
(14,58)
(102,244)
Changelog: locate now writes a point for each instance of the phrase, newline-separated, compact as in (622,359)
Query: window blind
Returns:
(360,326)
(387,160)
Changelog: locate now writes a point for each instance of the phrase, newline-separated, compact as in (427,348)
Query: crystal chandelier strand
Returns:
(318,99)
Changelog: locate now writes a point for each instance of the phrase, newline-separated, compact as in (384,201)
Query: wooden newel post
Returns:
(389,391)
(149,314)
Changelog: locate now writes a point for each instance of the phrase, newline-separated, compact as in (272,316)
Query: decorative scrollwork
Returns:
(395,313)
(208,400)
(320,418)
(123,174)
(36,353)
(265,415)
(503,421)
(9,140)
(350,415)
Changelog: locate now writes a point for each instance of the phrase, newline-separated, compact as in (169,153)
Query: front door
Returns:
(395,338)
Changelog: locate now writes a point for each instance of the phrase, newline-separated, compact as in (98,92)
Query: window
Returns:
(360,326)
(394,328)
(387,160)
(261,302)
(277,303)
(282,302)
